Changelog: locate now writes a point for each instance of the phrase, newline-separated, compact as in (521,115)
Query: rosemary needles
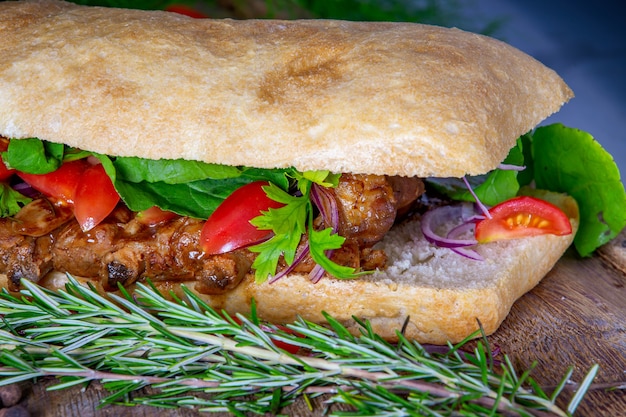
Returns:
(194,356)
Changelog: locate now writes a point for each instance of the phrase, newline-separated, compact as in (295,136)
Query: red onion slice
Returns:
(25,189)
(433,219)
(327,205)
(482,207)
(468,253)
(301,254)
(511,167)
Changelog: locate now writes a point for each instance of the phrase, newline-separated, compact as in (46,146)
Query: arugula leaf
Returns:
(11,201)
(189,188)
(33,155)
(571,161)
(197,199)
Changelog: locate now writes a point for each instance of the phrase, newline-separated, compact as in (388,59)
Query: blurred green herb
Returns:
(437,12)
(194,356)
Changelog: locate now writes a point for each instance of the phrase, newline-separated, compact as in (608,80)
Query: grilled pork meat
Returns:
(43,237)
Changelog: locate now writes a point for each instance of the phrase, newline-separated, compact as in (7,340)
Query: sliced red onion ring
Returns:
(510,167)
(468,253)
(460,230)
(25,189)
(301,254)
(329,211)
(432,219)
(316,274)
(478,202)
(327,205)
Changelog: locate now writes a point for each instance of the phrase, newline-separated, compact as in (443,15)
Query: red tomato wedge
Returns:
(522,216)
(5,173)
(229,227)
(185,10)
(293,349)
(154,215)
(61,183)
(95,197)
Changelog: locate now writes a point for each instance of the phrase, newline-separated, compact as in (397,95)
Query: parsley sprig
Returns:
(293,221)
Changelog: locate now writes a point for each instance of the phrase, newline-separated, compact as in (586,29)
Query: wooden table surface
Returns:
(575,317)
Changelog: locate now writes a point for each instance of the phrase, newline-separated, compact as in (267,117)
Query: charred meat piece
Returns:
(22,256)
(40,217)
(368,204)
(121,250)
(171,252)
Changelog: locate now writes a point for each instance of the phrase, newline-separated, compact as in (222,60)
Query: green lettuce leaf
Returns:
(11,201)
(571,161)
(33,156)
(171,171)
(492,188)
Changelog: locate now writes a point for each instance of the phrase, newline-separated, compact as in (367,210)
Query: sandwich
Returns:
(283,165)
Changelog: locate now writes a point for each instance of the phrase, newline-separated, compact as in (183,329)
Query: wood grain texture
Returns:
(575,317)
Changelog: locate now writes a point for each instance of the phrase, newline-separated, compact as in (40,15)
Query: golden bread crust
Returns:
(441,295)
(379,98)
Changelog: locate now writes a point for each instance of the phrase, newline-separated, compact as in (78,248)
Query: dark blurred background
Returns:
(585,42)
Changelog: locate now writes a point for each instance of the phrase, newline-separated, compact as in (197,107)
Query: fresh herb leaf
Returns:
(319,243)
(288,224)
(197,199)
(527,175)
(189,188)
(11,201)
(323,178)
(183,347)
(269,253)
(291,218)
(571,161)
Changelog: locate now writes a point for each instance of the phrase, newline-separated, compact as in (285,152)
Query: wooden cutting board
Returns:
(575,317)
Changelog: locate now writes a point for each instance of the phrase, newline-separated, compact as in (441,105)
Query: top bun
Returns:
(376,98)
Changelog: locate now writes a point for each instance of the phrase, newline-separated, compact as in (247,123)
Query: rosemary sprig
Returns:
(194,356)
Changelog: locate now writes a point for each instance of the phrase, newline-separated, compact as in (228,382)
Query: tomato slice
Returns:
(95,197)
(522,216)
(61,183)
(186,10)
(155,215)
(229,227)
(293,349)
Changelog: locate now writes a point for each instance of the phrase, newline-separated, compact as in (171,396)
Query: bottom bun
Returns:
(435,295)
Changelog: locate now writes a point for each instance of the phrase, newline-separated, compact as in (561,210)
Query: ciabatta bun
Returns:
(441,296)
(373,98)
